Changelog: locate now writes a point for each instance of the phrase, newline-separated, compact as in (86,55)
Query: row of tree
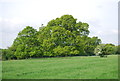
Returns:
(62,36)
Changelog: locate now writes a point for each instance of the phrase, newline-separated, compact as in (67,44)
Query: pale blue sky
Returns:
(101,15)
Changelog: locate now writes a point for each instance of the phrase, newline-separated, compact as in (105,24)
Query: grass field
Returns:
(92,67)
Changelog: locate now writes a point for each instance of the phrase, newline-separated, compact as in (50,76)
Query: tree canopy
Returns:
(105,49)
(62,36)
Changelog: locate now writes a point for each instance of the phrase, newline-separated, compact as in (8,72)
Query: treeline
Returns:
(62,36)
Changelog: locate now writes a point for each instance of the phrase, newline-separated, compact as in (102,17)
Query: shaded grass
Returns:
(92,67)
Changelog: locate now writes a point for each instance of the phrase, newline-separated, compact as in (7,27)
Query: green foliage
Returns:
(105,49)
(91,44)
(62,36)
(110,49)
(63,32)
(118,49)
(26,42)
(69,23)
(65,51)
(7,54)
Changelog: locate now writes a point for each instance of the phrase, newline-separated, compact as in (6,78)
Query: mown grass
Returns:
(92,67)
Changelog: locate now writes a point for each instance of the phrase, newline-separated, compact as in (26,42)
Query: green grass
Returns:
(92,67)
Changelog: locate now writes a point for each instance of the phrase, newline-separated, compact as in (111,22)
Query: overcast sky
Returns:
(101,15)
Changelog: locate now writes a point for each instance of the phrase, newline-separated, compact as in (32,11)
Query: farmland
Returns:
(79,67)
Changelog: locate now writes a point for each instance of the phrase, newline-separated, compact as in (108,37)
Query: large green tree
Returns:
(26,43)
(65,32)
(64,36)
